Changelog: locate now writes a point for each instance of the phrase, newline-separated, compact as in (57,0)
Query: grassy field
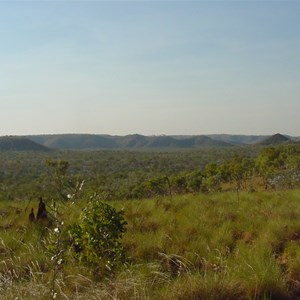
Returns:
(184,247)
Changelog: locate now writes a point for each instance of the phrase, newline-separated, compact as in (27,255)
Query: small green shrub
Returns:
(96,239)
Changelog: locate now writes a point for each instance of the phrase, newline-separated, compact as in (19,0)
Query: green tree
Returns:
(290,172)
(179,184)
(211,181)
(280,166)
(240,169)
(268,163)
(194,181)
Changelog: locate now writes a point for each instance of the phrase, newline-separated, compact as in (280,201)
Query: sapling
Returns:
(56,246)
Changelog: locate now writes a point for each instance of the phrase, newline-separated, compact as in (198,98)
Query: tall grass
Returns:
(181,247)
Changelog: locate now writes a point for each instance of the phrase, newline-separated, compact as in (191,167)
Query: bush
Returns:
(96,239)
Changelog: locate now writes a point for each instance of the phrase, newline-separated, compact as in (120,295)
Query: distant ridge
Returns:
(17,143)
(134,141)
(239,139)
(275,139)
(206,141)
(138,141)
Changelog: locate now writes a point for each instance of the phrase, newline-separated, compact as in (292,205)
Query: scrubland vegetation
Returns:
(140,225)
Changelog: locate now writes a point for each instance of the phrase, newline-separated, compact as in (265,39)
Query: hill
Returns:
(75,141)
(17,143)
(131,141)
(275,139)
(206,141)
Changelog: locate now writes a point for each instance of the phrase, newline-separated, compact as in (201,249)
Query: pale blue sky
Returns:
(150,67)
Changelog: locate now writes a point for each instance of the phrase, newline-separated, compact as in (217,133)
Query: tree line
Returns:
(273,168)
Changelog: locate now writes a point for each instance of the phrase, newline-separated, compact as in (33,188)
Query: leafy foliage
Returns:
(280,166)
(96,238)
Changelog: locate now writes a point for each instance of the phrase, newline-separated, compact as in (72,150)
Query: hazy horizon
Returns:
(150,135)
(150,67)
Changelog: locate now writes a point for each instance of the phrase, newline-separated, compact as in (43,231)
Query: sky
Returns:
(150,67)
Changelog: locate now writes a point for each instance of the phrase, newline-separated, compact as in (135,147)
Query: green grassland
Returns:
(184,247)
(213,224)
